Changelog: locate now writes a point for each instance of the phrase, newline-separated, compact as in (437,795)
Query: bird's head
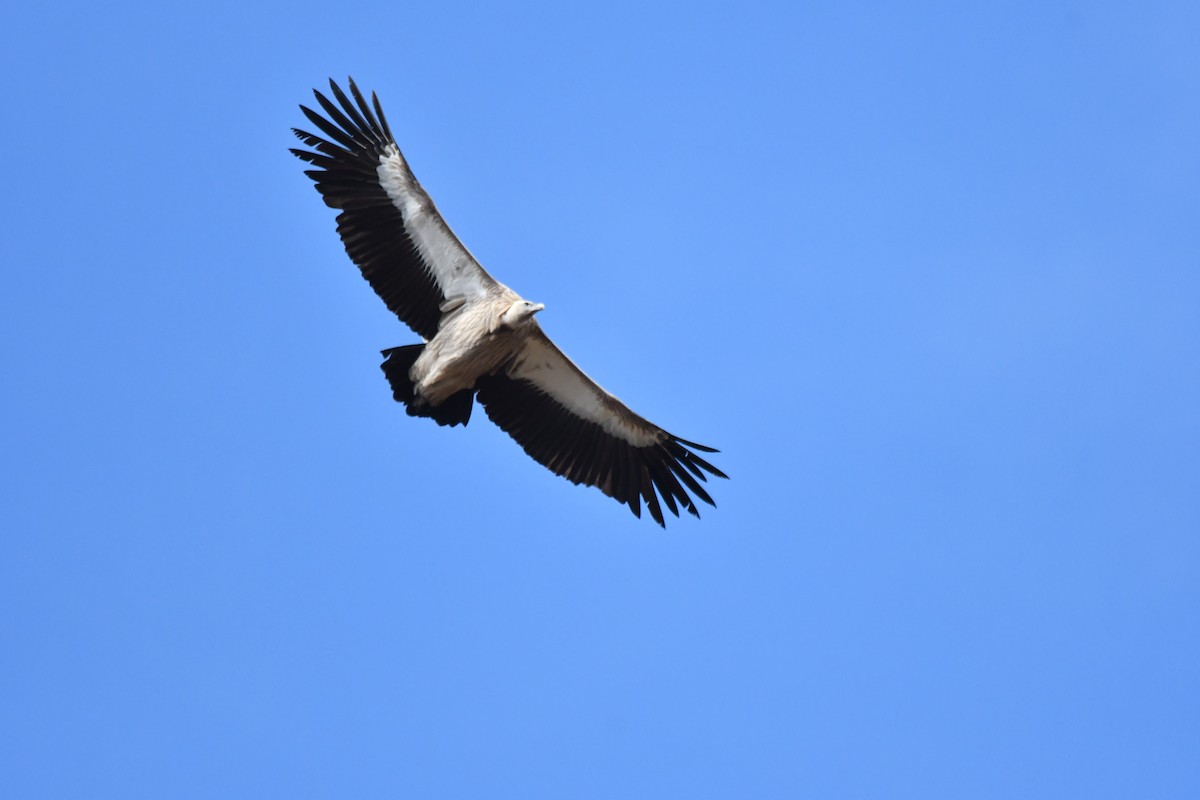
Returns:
(520,313)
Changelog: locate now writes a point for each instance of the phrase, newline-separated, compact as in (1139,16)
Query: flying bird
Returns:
(480,338)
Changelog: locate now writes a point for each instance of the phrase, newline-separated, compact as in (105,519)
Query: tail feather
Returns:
(396,363)
(455,410)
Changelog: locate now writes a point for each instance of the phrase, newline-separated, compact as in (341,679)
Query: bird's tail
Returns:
(397,362)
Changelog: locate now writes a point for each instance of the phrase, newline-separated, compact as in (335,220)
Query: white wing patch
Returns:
(452,265)
(545,366)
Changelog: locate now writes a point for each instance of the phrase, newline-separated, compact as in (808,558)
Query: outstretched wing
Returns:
(390,227)
(566,422)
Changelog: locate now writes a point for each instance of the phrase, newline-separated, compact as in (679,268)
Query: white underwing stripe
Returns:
(548,369)
(451,264)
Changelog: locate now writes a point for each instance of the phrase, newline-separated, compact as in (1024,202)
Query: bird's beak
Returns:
(538,307)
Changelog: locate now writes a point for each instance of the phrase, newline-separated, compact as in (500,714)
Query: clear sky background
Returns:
(928,274)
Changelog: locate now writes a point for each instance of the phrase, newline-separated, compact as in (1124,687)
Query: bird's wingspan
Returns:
(568,423)
(389,225)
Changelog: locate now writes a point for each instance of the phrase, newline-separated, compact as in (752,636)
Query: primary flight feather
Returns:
(480,337)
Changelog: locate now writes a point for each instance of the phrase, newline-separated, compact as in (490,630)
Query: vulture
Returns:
(480,338)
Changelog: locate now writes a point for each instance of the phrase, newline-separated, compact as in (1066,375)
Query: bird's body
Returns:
(480,337)
(474,338)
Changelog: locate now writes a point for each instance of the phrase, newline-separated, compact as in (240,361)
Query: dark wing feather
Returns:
(393,231)
(567,423)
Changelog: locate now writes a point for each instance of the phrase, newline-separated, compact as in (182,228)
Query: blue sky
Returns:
(928,274)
